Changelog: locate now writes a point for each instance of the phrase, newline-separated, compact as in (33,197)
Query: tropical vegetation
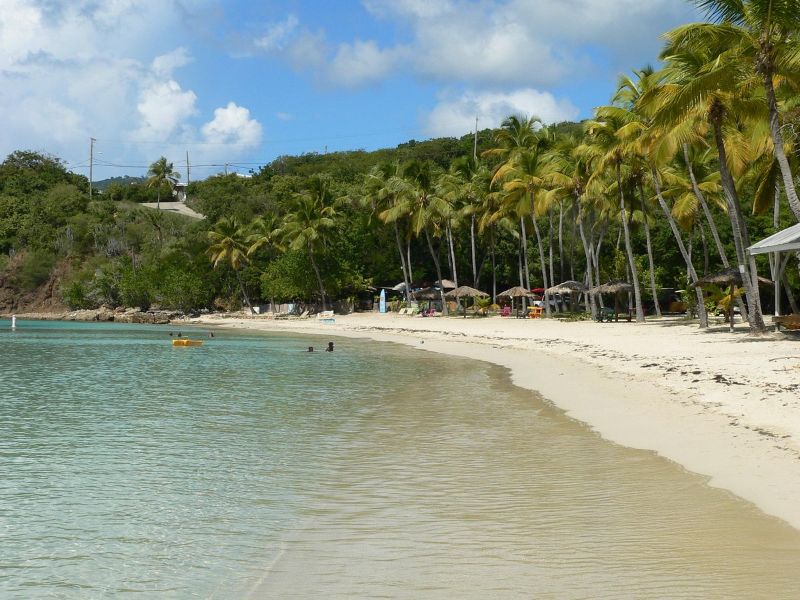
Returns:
(673,179)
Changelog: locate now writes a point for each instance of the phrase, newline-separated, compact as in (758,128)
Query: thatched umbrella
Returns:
(465,291)
(571,287)
(615,287)
(728,277)
(516,292)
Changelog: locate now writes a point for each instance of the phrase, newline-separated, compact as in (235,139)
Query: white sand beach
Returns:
(723,405)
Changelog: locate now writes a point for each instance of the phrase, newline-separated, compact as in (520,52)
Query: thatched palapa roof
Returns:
(428,294)
(726,277)
(516,292)
(465,292)
(612,287)
(567,287)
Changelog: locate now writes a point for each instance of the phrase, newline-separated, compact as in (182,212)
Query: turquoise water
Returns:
(248,468)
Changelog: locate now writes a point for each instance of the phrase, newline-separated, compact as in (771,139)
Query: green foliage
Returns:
(35,269)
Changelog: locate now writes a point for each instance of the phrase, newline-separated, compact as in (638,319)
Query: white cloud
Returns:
(361,63)
(233,125)
(165,64)
(277,35)
(163,109)
(455,116)
(71,69)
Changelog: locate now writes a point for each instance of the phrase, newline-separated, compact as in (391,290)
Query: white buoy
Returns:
(13,321)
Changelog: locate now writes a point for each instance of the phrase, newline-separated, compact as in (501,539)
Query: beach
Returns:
(723,405)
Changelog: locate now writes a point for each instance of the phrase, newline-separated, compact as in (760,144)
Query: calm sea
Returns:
(248,468)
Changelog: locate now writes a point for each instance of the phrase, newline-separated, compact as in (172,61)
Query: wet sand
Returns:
(726,406)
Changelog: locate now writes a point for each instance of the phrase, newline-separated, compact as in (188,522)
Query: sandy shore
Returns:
(723,405)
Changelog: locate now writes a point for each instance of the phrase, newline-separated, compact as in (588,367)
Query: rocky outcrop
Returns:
(106,314)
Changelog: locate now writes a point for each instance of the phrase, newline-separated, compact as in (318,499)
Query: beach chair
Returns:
(402,311)
(535,312)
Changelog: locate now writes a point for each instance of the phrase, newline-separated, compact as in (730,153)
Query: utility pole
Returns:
(475,145)
(91,164)
(187,167)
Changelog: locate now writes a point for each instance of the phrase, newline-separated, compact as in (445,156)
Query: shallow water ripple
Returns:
(249,469)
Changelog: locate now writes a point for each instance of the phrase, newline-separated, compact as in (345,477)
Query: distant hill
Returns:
(103,184)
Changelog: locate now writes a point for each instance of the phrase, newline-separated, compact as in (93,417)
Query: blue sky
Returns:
(243,82)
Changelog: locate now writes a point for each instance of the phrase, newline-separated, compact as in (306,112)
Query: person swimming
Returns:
(330,347)
(310,349)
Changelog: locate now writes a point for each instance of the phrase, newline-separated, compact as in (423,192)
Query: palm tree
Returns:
(611,153)
(379,194)
(425,209)
(707,82)
(311,217)
(229,246)
(765,33)
(161,172)
(528,181)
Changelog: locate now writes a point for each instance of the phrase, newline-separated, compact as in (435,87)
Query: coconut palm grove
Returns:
(688,164)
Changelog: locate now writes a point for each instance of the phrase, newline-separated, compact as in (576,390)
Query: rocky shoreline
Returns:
(106,314)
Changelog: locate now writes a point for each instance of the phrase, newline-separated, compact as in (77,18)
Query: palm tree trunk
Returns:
(242,290)
(472,248)
(637,292)
(524,237)
(452,253)
(406,281)
(701,307)
(589,277)
(561,240)
(494,271)
(712,226)
(740,234)
(158,199)
(408,261)
(543,266)
(319,278)
(653,289)
(550,246)
(572,240)
(777,142)
(438,269)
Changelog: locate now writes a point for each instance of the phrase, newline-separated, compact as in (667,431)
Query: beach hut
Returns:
(727,277)
(445,284)
(571,287)
(779,248)
(515,292)
(615,287)
(465,292)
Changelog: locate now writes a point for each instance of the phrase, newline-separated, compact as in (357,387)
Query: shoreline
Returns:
(725,406)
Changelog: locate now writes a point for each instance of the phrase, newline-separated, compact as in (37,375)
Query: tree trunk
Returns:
(572,242)
(589,278)
(408,261)
(712,226)
(438,269)
(653,289)
(550,246)
(242,290)
(406,281)
(740,234)
(452,251)
(561,240)
(701,307)
(524,240)
(472,246)
(777,142)
(637,292)
(319,278)
(494,272)
(545,297)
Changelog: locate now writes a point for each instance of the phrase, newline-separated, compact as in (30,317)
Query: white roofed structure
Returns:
(782,242)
